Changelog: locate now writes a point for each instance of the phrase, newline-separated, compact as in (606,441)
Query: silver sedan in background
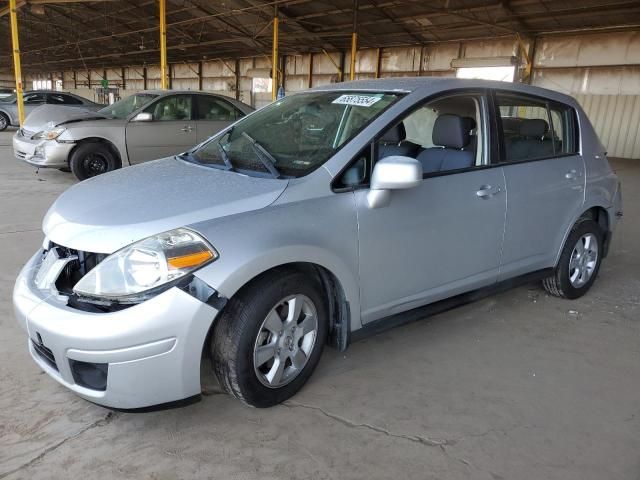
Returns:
(141,127)
(35,99)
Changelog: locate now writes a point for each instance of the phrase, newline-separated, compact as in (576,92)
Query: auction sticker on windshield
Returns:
(357,100)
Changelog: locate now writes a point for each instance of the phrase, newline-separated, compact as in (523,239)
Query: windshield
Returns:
(125,107)
(9,98)
(295,135)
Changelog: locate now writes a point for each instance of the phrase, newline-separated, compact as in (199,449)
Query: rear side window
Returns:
(535,129)
(563,128)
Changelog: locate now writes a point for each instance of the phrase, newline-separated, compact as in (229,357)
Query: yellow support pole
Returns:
(274,57)
(354,42)
(17,69)
(164,81)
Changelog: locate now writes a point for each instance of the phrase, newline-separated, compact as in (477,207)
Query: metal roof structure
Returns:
(67,34)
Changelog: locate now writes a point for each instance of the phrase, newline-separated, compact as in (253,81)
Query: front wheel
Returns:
(92,159)
(270,337)
(579,261)
(4,122)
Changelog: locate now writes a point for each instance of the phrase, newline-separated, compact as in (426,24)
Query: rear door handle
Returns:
(572,175)
(487,191)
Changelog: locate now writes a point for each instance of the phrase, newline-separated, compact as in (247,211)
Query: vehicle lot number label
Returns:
(356,100)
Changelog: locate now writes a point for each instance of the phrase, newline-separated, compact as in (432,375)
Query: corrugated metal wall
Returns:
(616,118)
(602,71)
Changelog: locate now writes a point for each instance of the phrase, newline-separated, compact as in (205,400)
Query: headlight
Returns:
(136,271)
(50,134)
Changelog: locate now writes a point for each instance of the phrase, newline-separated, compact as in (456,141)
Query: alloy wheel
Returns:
(285,341)
(584,259)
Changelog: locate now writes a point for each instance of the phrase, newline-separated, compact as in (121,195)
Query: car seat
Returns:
(452,135)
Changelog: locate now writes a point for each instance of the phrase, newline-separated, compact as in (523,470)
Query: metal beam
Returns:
(163,45)
(274,56)
(17,70)
(354,41)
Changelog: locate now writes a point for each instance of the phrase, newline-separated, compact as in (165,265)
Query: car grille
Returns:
(44,353)
(26,133)
(76,269)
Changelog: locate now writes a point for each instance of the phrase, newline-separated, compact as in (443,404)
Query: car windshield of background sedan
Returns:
(295,135)
(125,107)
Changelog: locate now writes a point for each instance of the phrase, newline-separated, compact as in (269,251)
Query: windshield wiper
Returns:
(265,157)
(225,157)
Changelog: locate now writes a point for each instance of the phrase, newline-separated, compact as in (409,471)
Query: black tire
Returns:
(4,122)
(559,284)
(92,159)
(237,330)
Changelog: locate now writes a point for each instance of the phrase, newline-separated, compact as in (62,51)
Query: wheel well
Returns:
(107,143)
(600,216)
(338,306)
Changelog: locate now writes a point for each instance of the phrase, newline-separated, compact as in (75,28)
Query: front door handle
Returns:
(572,174)
(187,128)
(487,191)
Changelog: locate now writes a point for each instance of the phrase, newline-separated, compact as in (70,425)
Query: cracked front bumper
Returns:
(41,153)
(153,349)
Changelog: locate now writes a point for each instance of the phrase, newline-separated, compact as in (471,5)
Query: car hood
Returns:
(49,116)
(111,211)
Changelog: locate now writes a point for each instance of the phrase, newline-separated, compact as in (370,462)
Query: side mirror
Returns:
(392,173)
(143,117)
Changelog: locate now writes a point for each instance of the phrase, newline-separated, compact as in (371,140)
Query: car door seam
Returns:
(504,223)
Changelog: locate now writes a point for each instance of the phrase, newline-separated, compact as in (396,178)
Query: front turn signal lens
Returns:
(191,260)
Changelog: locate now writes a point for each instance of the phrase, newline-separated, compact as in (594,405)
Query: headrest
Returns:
(394,135)
(469,122)
(533,127)
(451,131)
(511,124)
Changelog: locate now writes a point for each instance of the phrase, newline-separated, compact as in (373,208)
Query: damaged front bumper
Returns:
(143,355)
(41,153)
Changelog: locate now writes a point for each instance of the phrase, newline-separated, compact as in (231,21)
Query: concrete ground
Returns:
(517,386)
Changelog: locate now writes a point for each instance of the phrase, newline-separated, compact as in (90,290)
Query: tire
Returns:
(245,331)
(92,159)
(4,122)
(576,272)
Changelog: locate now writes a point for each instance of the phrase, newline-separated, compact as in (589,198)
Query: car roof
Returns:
(172,92)
(414,84)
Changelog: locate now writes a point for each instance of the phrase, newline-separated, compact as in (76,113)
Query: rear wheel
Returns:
(4,122)
(270,337)
(579,262)
(92,159)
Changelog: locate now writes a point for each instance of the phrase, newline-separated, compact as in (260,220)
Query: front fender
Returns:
(320,231)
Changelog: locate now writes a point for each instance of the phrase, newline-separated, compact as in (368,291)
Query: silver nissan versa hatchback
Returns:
(323,217)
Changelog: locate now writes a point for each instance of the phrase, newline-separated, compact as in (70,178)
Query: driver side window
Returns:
(443,135)
(172,108)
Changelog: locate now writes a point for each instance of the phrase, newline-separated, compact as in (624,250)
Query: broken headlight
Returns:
(138,270)
(50,134)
